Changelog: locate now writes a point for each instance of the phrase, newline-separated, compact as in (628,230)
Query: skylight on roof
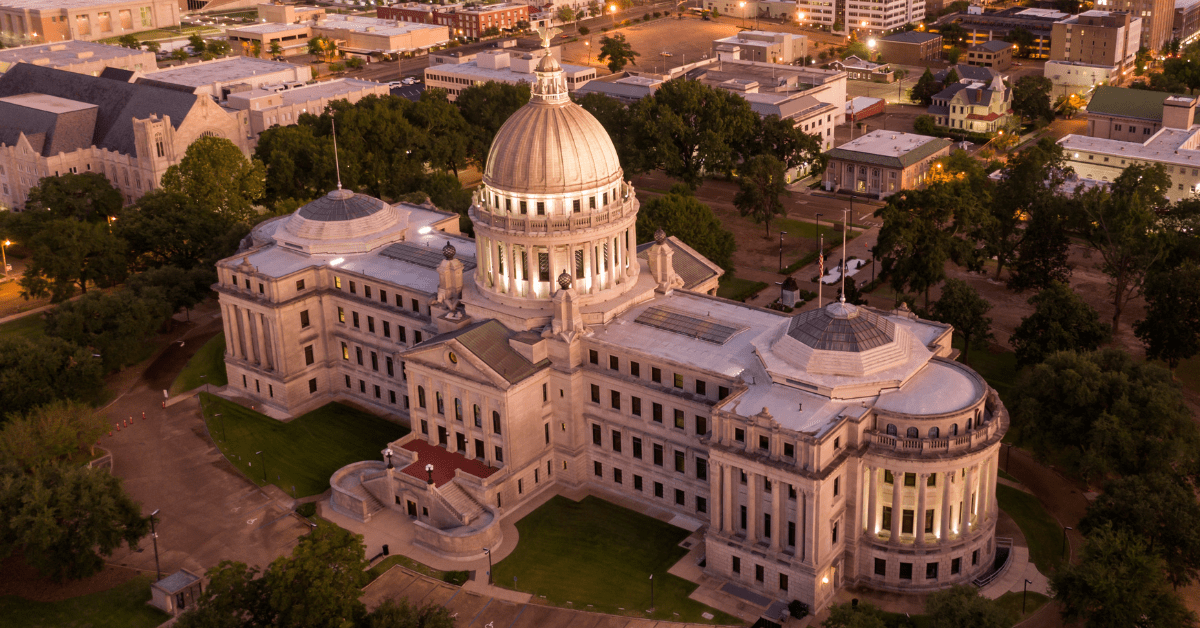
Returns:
(705,329)
(427,257)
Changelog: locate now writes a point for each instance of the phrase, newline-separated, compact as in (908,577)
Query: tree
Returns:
(759,187)
(178,288)
(680,214)
(953,34)
(218,48)
(171,229)
(152,46)
(1041,257)
(401,614)
(1171,329)
(951,77)
(276,48)
(218,177)
(962,605)
(1031,99)
(847,616)
(1028,184)
(1024,40)
(36,371)
(1117,584)
(355,63)
(198,44)
(565,14)
(925,89)
(234,598)
(617,51)
(953,54)
(322,47)
(68,254)
(785,141)
(318,586)
(87,197)
(180,55)
(48,432)
(693,129)
(1102,413)
(1162,509)
(633,149)
(1061,321)
(961,306)
(298,160)
(65,518)
(488,106)
(1120,226)
(925,125)
(129,41)
(116,325)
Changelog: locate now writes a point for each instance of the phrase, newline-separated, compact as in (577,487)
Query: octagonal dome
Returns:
(342,222)
(551,146)
(842,327)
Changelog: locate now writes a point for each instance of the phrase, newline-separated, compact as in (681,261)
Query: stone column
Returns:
(248,336)
(495,252)
(968,489)
(277,348)
(727,501)
(873,502)
(922,488)
(481,244)
(897,514)
(778,521)
(511,267)
(811,508)
(945,528)
(752,503)
(798,550)
(232,338)
(716,473)
(262,342)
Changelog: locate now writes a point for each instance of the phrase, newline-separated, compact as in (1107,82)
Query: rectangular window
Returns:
(680,498)
(701,387)
(737,565)
(783,582)
(906,522)
(635,406)
(417,336)
(680,462)
(345,352)
(593,356)
(764,442)
(312,385)
(657,413)
(499,454)
(635,369)
(886,520)
(880,567)
(617,476)
(701,469)
(371,324)
(637,482)
(598,469)
(658,455)
(975,557)
(701,425)
(595,393)
(358,354)
(679,420)
(834,532)
(678,381)
(391,369)
(308,355)
(789,450)
(616,441)
(722,392)
(401,333)
(596,434)
(383,296)
(929,522)
(495,422)
(637,447)
(910,479)
(955,566)
(341,315)
(656,374)
(441,403)
(906,571)
(658,489)
(739,434)
(353,288)
(931,571)
(147,17)
(304,319)
(836,486)
(758,573)
(367,291)
(415,306)
(354,319)
(374,361)
(613,363)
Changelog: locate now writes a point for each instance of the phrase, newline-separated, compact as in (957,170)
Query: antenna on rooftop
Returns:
(336,166)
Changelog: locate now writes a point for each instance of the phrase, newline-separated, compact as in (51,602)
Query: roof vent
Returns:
(58,47)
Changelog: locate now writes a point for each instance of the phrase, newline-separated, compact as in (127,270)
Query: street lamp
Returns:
(1024,593)
(388,453)
(154,537)
(1064,549)
(488,551)
(781,234)
(429,471)
(651,591)
(262,460)
(613,8)
(742,6)
(588,48)
(4,256)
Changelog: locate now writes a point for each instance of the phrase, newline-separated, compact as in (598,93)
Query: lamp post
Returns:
(742,6)
(781,234)
(488,551)
(588,47)
(154,537)
(1024,593)
(388,453)
(1065,530)
(651,591)
(429,472)
(613,9)
(4,255)
(262,460)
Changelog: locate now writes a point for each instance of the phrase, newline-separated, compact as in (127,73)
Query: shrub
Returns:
(583,30)
(798,609)
(307,510)
(456,578)
(657,14)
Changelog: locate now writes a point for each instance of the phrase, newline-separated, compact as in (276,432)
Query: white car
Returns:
(394,84)
(408,80)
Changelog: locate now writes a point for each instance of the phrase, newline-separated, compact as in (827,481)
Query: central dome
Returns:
(842,327)
(342,222)
(551,145)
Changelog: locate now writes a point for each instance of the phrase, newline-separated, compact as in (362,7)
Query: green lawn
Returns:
(596,553)
(121,607)
(808,229)
(208,361)
(1012,603)
(1042,533)
(301,453)
(453,577)
(26,326)
(737,289)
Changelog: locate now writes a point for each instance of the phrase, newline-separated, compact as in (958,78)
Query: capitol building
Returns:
(560,349)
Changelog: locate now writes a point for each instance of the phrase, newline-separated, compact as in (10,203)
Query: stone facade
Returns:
(38,21)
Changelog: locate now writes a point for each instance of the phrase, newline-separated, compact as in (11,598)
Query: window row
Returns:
(699,386)
(679,495)
(384,327)
(360,357)
(760,573)
(678,416)
(522,207)
(476,413)
(372,390)
(935,431)
(461,444)
(412,302)
(905,569)
(764,443)
(658,451)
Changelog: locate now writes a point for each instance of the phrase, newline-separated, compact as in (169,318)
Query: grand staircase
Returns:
(460,502)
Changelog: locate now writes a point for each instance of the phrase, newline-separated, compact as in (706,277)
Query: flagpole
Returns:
(820,267)
(845,227)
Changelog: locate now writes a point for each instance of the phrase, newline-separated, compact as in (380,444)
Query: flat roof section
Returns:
(445,463)
(64,53)
(220,71)
(49,104)
(54,5)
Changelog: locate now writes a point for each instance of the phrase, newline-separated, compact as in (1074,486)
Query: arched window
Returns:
(954,430)
(495,422)
(475,415)
(421,396)
(441,403)
(933,432)
(913,433)
(158,145)
(891,430)
(970,423)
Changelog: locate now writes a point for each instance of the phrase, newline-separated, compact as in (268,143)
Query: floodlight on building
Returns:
(424,230)
(336,262)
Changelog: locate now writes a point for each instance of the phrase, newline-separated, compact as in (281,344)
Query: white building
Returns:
(264,107)
(763,46)
(83,57)
(838,447)
(502,66)
(219,77)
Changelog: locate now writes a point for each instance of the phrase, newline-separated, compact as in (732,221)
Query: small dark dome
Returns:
(341,205)
(842,327)
(449,251)
(660,236)
(564,280)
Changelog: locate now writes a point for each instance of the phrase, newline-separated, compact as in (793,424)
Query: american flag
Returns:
(821,263)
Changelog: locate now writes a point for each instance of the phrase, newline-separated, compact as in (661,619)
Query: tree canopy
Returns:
(1171,329)
(1061,321)
(36,371)
(682,215)
(67,254)
(116,325)
(963,605)
(487,106)
(760,187)
(617,52)
(1031,99)
(217,176)
(925,89)
(87,197)
(961,306)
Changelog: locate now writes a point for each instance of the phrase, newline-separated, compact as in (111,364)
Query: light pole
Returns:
(588,48)
(613,8)
(1024,593)
(429,471)
(262,460)
(1064,549)
(651,591)
(488,551)
(742,6)
(154,537)
(4,255)
(781,234)
(222,425)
